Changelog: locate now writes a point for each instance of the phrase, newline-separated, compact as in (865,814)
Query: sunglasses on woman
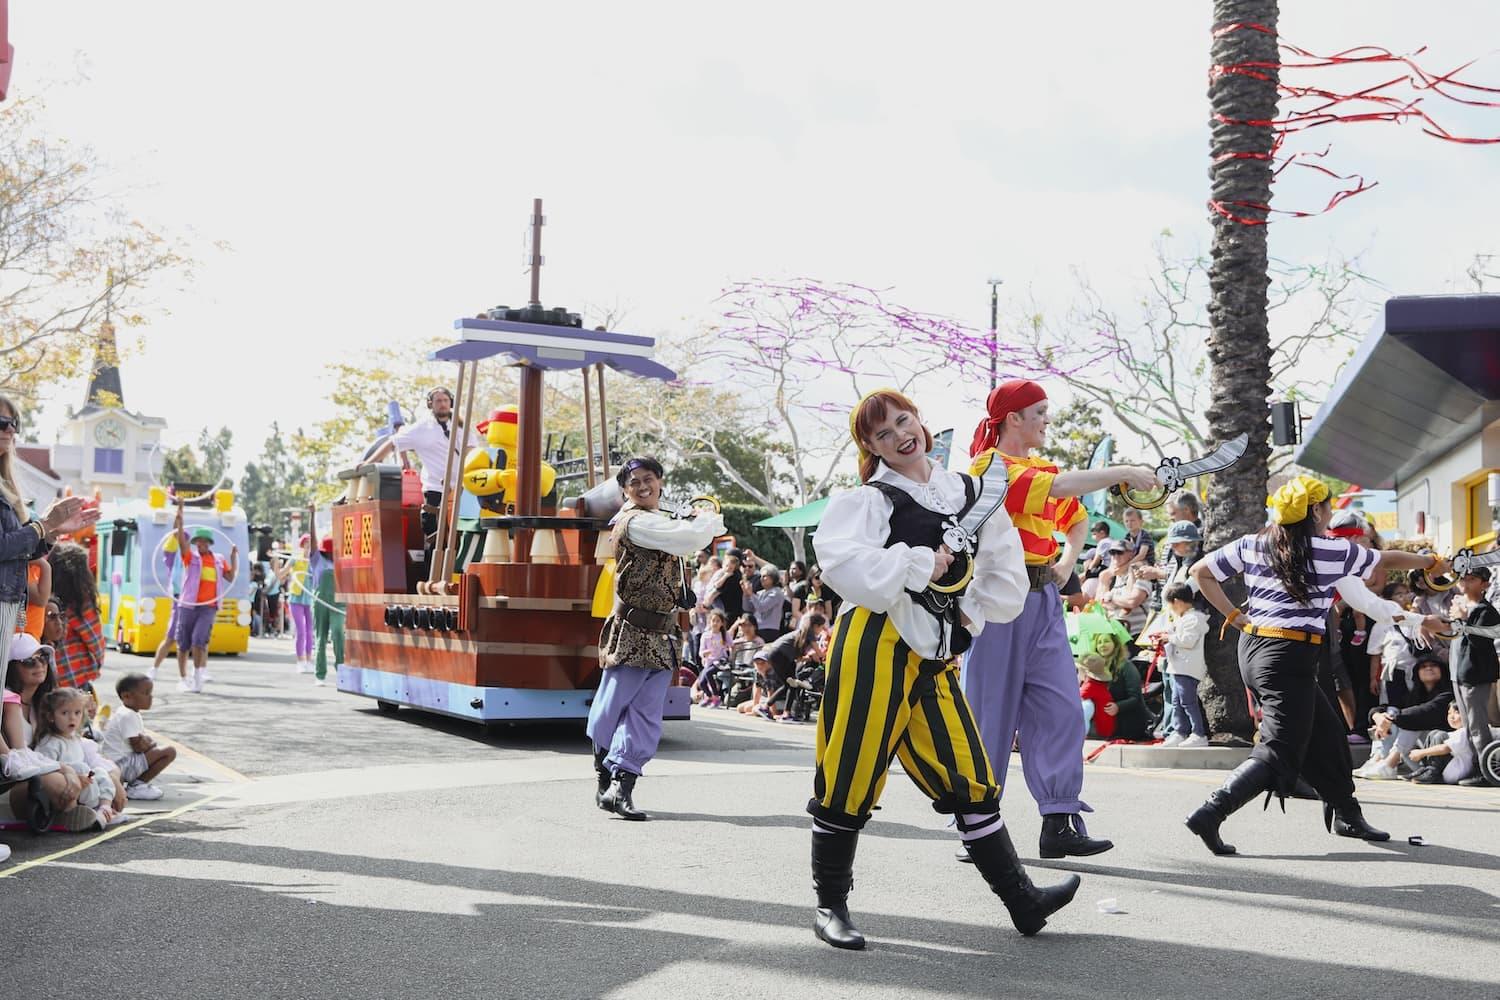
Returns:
(10,424)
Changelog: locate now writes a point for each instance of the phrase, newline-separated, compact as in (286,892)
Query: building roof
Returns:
(1425,379)
(38,457)
(139,418)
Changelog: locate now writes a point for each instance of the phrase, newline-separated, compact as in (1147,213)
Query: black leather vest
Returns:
(916,526)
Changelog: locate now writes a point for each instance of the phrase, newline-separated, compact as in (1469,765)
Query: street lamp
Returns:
(995,284)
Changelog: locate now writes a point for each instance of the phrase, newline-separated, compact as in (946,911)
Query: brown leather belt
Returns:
(1039,576)
(664,622)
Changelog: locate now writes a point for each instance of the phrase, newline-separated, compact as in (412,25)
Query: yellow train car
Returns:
(138,571)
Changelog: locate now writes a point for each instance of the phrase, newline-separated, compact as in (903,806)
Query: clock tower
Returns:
(104,446)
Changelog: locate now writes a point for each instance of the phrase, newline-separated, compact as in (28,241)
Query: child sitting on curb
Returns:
(1433,768)
(59,737)
(126,742)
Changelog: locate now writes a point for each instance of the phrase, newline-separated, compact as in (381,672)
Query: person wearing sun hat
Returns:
(1291,571)
(1020,676)
(924,559)
(205,574)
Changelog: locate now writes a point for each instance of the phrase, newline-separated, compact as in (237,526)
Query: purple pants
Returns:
(1020,678)
(195,623)
(626,715)
(302,620)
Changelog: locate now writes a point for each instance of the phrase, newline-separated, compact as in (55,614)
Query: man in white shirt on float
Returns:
(431,438)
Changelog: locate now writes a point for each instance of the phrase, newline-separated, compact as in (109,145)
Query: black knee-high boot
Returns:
(604,775)
(1243,784)
(833,877)
(995,857)
(617,799)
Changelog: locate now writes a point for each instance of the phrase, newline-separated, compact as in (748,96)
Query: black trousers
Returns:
(1300,731)
(433,499)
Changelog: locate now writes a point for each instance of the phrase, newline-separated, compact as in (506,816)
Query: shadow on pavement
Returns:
(576,937)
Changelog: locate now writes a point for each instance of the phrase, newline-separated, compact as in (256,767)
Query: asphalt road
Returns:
(310,846)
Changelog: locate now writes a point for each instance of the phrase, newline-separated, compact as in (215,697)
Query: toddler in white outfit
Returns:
(58,737)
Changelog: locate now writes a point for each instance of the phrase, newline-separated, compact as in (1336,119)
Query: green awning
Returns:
(801,517)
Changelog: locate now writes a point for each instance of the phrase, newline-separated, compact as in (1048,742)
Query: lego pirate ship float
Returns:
(500,627)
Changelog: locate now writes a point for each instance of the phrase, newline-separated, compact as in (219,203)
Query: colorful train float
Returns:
(137,568)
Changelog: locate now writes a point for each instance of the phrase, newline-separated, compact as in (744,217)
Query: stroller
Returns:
(803,690)
(736,676)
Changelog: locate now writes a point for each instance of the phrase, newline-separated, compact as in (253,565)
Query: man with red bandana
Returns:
(1019,677)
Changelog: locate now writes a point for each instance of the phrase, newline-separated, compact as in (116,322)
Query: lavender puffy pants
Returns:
(626,715)
(1020,678)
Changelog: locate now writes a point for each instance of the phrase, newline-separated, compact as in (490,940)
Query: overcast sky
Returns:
(370,166)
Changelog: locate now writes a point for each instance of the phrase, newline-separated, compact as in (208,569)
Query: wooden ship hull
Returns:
(517,643)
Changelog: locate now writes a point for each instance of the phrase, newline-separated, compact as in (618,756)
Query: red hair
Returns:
(874,409)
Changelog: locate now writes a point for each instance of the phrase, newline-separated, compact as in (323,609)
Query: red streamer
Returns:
(1328,107)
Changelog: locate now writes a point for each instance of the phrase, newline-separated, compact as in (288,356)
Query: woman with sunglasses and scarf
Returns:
(638,646)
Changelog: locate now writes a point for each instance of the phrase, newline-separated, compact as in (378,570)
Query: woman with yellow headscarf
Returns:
(924,557)
(1291,572)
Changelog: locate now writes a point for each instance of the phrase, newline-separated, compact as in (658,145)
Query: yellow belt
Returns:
(1272,632)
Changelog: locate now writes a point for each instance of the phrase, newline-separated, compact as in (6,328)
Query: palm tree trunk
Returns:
(1239,347)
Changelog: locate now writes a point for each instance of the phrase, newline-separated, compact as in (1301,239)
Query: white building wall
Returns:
(1439,490)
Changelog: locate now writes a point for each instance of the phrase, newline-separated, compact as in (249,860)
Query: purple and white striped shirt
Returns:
(1270,604)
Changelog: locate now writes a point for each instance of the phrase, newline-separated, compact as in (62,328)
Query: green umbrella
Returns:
(801,517)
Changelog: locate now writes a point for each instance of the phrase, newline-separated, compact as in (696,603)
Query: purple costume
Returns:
(638,646)
(1019,678)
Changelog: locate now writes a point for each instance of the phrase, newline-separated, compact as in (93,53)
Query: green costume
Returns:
(328,617)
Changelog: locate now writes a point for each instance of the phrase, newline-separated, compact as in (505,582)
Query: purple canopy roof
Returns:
(552,348)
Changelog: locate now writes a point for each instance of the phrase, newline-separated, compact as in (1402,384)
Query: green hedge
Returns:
(769,543)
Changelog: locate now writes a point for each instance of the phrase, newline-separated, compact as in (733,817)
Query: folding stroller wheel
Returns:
(1489,762)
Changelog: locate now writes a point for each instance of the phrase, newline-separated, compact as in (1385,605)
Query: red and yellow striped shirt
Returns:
(1036,513)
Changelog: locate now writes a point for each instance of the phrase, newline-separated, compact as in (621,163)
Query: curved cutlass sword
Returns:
(1172,473)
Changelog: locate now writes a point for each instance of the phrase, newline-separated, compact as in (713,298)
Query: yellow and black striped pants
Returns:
(883,700)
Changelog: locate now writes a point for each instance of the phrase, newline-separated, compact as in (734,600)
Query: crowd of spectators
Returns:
(759,636)
(1419,716)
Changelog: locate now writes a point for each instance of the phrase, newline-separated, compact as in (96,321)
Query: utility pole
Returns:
(995,284)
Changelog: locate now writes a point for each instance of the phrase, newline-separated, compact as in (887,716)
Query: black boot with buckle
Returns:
(1064,834)
(1348,820)
(617,798)
(995,857)
(833,877)
(1243,784)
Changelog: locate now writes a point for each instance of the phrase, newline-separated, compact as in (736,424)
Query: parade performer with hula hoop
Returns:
(1291,572)
(1020,677)
(923,558)
(638,646)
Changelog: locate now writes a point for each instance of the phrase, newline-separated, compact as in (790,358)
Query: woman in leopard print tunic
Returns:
(638,645)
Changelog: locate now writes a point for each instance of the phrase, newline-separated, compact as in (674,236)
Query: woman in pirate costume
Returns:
(1020,677)
(923,558)
(1291,572)
(639,644)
